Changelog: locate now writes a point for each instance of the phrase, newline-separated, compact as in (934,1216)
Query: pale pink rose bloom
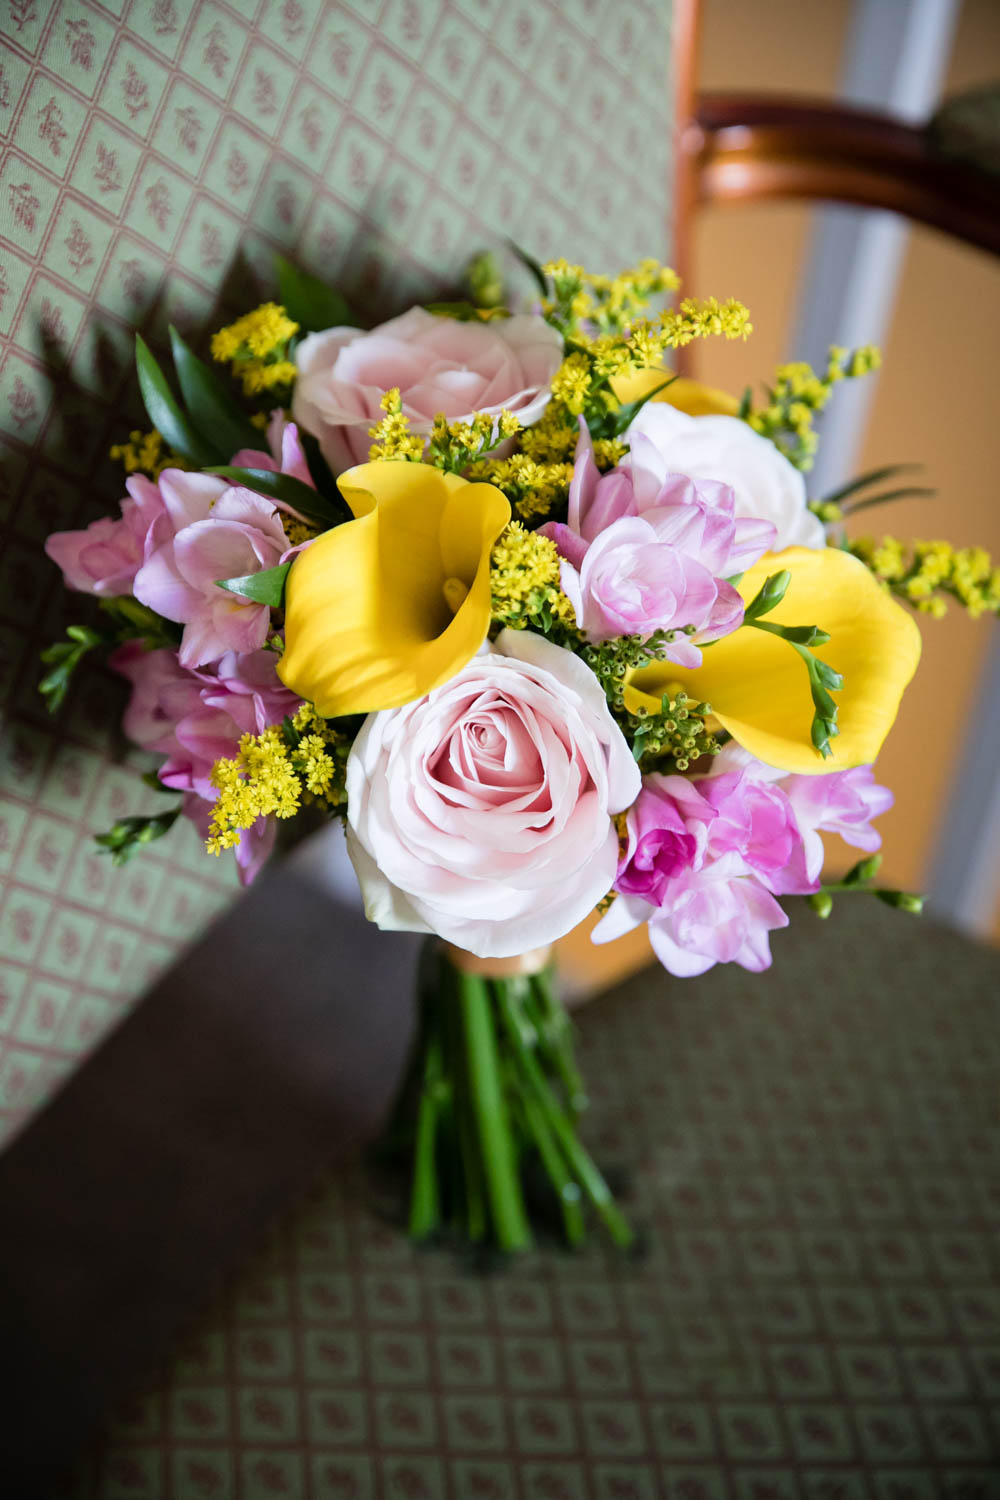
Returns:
(239,533)
(197,718)
(765,485)
(438,365)
(483,811)
(645,550)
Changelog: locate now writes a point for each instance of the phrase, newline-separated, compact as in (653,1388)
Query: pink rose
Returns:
(438,365)
(483,811)
(197,718)
(645,550)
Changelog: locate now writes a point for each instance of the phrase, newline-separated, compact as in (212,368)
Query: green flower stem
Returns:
(558,1032)
(425,1200)
(567,1190)
(470,1186)
(520,1035)
(503,1185)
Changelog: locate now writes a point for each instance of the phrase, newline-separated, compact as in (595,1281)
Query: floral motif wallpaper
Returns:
(154,154)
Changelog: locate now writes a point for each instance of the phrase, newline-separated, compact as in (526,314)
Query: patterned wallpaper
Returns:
(155,154)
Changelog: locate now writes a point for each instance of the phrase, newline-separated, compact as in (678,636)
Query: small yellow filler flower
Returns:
(757,683)
(384,608)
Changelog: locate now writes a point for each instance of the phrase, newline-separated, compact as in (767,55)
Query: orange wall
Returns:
(935,400)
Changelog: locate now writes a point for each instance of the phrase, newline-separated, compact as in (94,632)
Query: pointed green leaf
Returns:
(267,587)
(906,492)
(627,414)
(309,301)
(165,413)
(866,480)
(316,508)
(532,265)
(212,409)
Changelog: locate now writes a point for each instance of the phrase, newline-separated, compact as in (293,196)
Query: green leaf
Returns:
(309,503)
(627,414)
(746,404)
(866,480)
(906,492)
(152,780)
(213,410)
(166,415)
(532,265)
(64,657)
(309,301)
(267,587)
(130,834)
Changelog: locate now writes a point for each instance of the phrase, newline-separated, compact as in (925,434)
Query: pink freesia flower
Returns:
(438,365)
(286,455)
(703,862)
(643,550)
(705,857)
(104,558)
(226,535)
(843,802)
(197,718)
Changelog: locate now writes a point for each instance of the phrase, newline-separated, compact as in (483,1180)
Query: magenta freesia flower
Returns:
(843,803)
(197,717)
(705,857)
(644,550)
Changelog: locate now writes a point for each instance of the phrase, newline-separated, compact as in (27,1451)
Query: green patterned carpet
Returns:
(813,1157)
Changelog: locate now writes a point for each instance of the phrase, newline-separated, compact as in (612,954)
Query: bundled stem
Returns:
(499,1089)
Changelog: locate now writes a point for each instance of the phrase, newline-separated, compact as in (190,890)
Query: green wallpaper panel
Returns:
(155,154)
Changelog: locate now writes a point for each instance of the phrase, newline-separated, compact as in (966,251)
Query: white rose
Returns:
(483,811)
(766,485)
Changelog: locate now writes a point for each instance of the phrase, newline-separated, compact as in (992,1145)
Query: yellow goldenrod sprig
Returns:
(606,304)
(524,581)
(927,573)
(451,446)
(145,453)
(256,347)
(798,393)
(391,437)
(274,773)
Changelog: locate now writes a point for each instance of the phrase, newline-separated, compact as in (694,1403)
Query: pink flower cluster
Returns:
(644,549)
(195,718)
(175,539)
(706,857)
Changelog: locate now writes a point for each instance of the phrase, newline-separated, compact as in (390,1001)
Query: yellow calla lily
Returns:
(687,395)
(385,607)
(758,685)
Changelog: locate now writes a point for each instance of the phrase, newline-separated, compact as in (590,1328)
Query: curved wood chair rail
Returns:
(755,147)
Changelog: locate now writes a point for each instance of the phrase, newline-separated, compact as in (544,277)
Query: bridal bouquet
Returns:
(549,628)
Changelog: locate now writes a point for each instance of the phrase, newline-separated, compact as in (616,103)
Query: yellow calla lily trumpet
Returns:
(384,608)
(758,685)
